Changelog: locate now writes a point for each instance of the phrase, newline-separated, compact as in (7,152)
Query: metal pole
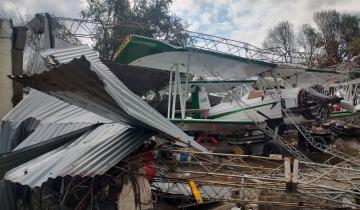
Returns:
(181,94)
(175,92)
(186,82)
(169,96)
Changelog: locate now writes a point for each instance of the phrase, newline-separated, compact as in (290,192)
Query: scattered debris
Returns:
(84,138)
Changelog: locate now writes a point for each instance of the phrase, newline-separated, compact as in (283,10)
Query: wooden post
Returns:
(287,165)
(291,173)
(295,173)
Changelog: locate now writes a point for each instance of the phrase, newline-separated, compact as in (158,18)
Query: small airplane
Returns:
(268,103)
(229,74)
(252,91)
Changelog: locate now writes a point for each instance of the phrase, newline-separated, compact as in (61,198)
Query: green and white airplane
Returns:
(252,90)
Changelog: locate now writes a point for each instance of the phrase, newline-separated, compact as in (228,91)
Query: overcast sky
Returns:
(243,20)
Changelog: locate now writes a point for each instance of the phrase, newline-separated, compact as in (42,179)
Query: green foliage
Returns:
(120,18)
(328,23)
(349,27)
(337,32)
(354,47)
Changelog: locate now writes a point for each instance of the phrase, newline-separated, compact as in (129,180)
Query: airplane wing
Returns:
(303,77)
(212,86)
(151,53)
(146,52)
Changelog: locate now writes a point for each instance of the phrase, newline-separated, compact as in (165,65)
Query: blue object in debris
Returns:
(184,157)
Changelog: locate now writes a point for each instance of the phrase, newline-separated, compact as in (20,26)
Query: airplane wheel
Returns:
(271,148)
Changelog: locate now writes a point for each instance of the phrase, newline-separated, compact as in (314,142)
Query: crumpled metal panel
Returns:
(39,110)
(92,154)
(49,131)
(50,109)
(139,79)
(10,193)
(77,76)
(10,160)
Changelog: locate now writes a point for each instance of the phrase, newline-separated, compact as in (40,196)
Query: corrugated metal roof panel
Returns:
(10,193)
(49,131)
(86,82)
(10,160)
(139,79)
(46,108)
(39,110)
(92,154)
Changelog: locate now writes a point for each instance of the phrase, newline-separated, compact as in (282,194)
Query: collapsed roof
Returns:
(85,123)
(76,76)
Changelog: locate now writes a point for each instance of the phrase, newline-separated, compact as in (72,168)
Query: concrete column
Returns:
(6,91)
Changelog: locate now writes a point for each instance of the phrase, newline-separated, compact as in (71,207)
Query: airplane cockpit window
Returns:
(236,94)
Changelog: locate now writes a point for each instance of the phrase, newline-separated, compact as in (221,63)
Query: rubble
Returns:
(83,138)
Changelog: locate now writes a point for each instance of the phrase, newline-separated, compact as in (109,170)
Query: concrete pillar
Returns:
(6,91)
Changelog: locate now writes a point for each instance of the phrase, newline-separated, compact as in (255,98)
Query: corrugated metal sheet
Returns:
(92,154)
(49,131)
(49,123)
(49,109)
(77,76)
(41,111)
(10,193)
(139,79)
(15,158)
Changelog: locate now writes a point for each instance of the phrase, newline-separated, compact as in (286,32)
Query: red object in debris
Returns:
(149,156)
(149,171)
(148,160)
(201,139)
(337,107)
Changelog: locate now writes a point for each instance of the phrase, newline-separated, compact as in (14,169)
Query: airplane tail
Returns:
(199,98)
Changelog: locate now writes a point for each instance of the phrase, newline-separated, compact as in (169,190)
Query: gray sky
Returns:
(243,20)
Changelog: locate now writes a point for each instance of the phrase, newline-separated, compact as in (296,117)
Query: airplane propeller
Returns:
(318,104)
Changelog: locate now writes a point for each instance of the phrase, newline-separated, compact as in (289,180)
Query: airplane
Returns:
(252,91)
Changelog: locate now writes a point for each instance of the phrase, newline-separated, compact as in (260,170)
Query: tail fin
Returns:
(199,98)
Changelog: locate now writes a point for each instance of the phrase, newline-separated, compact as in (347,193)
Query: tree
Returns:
(309,40)
(328,23)
(350,31)
(119,18)
(281,40)
(354,50)
(337,32)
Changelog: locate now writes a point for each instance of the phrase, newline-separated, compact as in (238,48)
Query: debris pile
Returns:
(82,138)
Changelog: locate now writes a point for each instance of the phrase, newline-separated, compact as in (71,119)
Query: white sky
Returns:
(243,20)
